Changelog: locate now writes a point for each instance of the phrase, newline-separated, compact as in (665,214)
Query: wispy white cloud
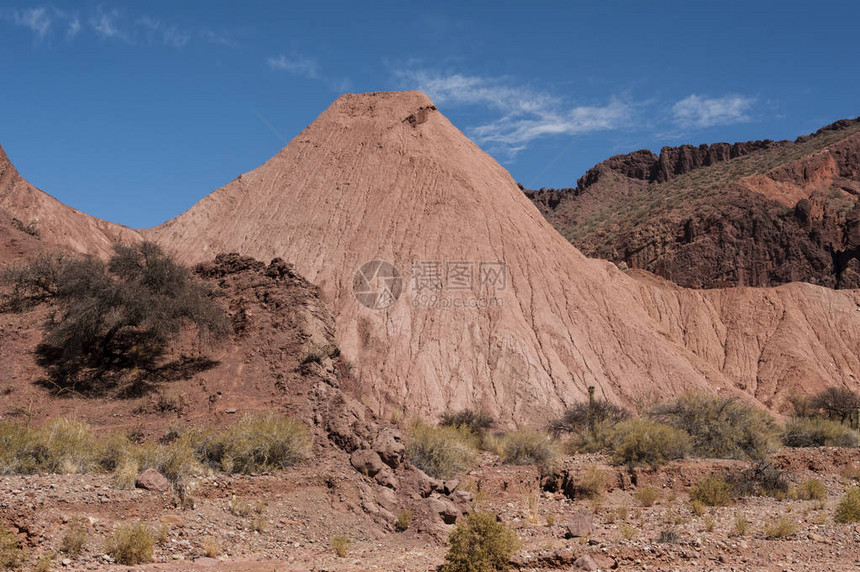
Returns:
(171,35)
(37,20)
(73,27)
(699,111)
(524,114)
(114,25)
(296,65)
(106,25)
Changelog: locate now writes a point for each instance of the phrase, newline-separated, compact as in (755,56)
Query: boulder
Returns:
(152,480)
(388,444)
(367,462)
(444,509)
(580,524)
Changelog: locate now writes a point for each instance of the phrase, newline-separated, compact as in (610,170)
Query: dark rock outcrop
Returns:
(759,213)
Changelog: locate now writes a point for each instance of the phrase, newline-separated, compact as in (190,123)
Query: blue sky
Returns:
(133,111)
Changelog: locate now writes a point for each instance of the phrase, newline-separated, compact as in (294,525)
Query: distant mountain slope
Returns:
(386,176)
(761,213)
(26,210)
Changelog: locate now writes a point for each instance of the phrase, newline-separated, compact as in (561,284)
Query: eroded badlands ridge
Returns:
(385,176)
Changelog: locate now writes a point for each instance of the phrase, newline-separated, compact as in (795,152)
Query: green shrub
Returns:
(721,427)
(255,443)
(441,452)
(782,528)
(131,544)
(479,543)
(643,442)
(478,422)
(848,509)
(646,495)
(811,489)
(818,432)
(12,555)
(712,491)
(526,447)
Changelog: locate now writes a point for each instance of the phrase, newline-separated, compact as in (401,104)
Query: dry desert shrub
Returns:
(404,520)
(712,491)
(211,546)
(131,544)
(255,443)
(480,543)
(593,483)
(627,532)
(721,427)
(61,446)
(589,424)
(75,538)
(741,525)
(811,489)
(526,447)
(441,452)
(12,555)
(848,509)
(643,442)
(646,496)
(478,422)
(781,528)
(341,544)
(818,432)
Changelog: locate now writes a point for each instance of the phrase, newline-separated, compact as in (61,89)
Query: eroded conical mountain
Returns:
(32,212)
(495,308)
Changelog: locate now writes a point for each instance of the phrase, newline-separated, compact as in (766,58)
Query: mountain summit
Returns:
(450,289)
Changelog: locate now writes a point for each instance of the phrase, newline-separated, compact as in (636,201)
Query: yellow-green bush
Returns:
(256,443)
(61,446)
(12,555)
(131,544)
(441,452)
(712,491)
(646,495)
(643,442)
(818,432)
(593,482)
(404,520)
(526,447)
(74,539)
(341,544)
(480,543)
(811,489)
(848,509)
(782,528)
(721,427)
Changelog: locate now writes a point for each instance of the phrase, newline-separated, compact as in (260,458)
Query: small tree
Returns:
(117,315)
(837,403)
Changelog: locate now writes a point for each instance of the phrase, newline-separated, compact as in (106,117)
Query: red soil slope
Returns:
(54,223)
